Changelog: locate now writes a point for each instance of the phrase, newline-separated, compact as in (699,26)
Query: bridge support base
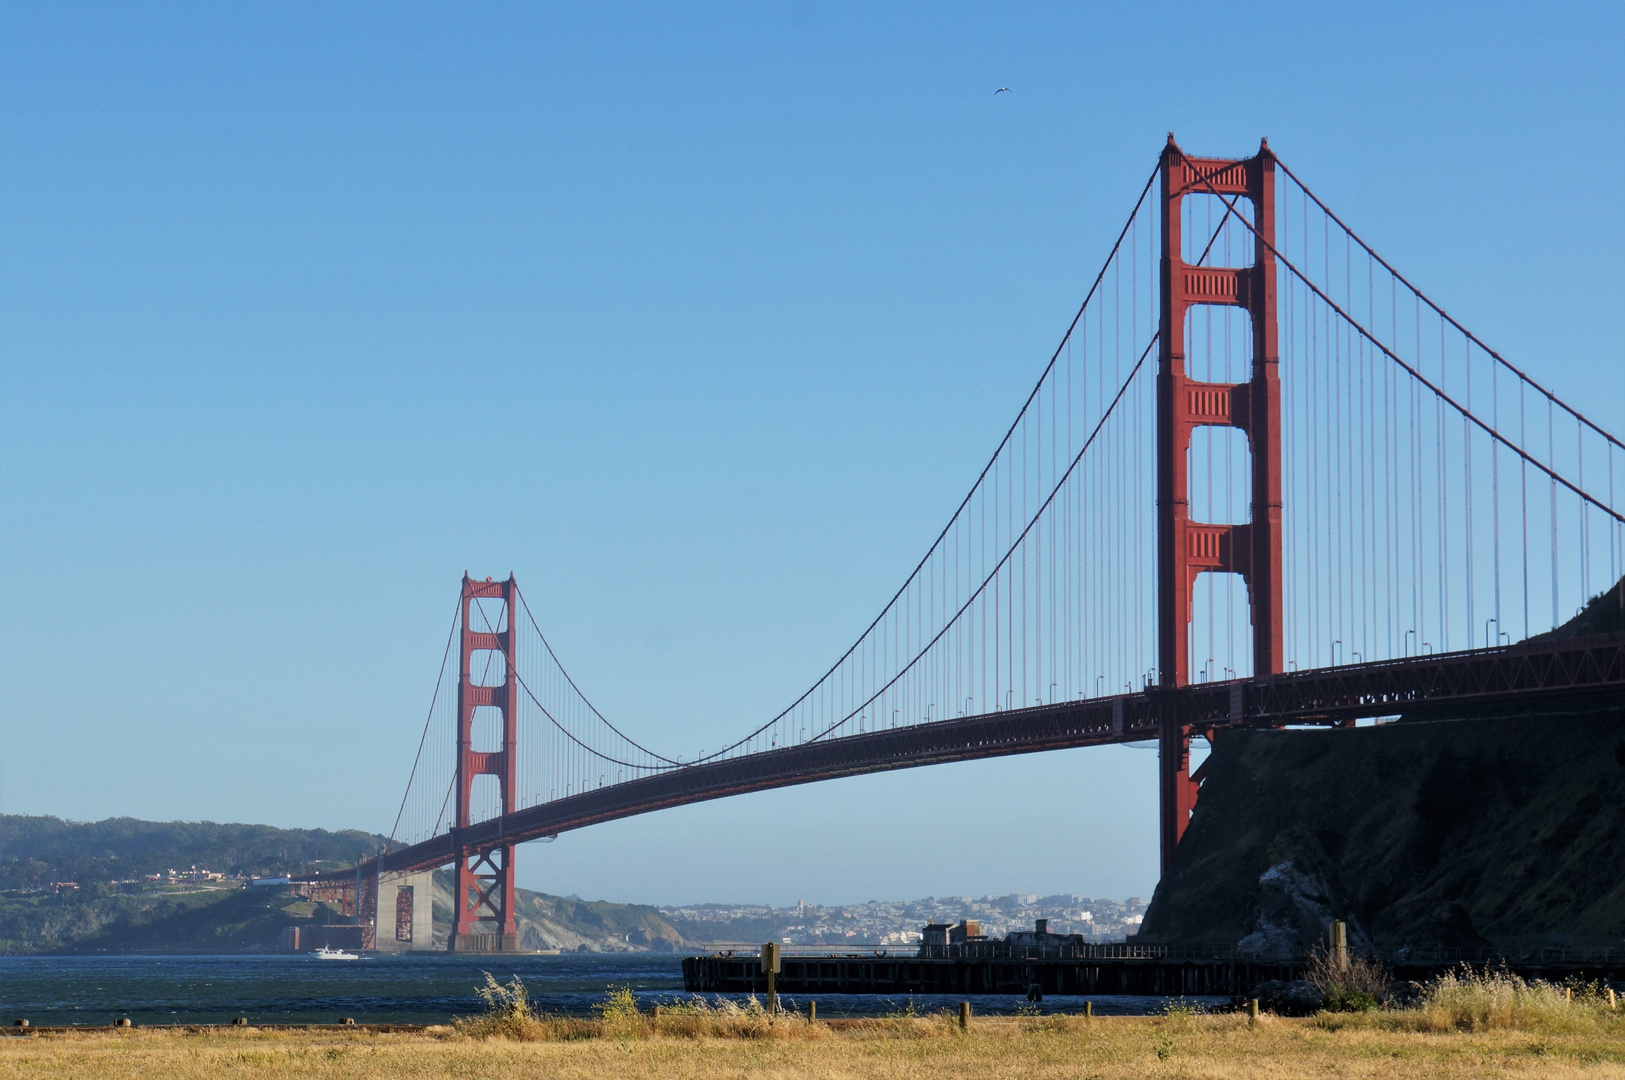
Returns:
(483,895)
(403,912)
(1176,787)
(485,943)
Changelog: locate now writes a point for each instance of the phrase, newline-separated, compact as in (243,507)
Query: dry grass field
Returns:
(1475,1025)
(1070,1049)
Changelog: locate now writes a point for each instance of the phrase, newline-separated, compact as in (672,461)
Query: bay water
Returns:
(413,988)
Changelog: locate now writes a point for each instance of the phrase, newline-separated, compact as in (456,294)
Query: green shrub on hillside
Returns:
(36,851)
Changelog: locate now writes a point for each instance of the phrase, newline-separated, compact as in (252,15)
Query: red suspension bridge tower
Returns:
(922,651)
(483,893)
(1186,548)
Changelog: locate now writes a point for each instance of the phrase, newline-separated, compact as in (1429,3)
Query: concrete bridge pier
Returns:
(405,912)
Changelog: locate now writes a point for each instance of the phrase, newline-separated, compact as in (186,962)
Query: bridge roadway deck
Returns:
(1544,677)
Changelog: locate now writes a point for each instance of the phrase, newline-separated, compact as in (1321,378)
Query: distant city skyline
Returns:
(699,322)
(898,922)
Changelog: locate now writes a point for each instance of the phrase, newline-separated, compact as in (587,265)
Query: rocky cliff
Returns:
(570,924)
(1469,832)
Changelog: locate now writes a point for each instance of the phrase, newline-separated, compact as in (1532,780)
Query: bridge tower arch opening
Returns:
(483,892)
(1186,547)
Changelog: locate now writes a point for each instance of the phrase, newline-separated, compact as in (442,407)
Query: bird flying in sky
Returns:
(1001,90)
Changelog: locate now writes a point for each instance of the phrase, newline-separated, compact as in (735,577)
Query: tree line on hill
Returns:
(37,851)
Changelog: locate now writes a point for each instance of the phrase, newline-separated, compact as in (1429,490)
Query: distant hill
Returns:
(219,917)
(36,851)
(226,917)
(570,924)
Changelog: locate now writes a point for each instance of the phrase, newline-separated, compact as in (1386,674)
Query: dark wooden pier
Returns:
(1051,974)
(1167,971)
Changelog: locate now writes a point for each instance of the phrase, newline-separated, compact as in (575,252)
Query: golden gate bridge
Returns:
(1262,481)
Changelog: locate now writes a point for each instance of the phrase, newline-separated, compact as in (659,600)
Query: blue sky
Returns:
(699,319)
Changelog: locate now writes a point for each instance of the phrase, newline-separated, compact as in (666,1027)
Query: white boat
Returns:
(324,953)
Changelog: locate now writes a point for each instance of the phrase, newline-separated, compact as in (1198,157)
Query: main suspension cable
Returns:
(973,488)
(1014,543)
(577,689)
(568,734)
(1444,314)
(1415,374)
(451,636)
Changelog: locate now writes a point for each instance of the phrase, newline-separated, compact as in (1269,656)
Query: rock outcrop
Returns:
(1502,831)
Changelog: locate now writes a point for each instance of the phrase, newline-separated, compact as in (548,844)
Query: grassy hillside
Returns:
(36,851)
(1465,832)
(103,915)
(228,917)
(218,917)
(1604,614)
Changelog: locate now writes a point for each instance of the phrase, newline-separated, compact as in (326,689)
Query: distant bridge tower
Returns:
(1186,548)
(483,895)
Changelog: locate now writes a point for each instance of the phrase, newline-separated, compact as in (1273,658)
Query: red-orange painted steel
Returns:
(1186,548)
(1528,677)
(1550,679)
(484,888)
